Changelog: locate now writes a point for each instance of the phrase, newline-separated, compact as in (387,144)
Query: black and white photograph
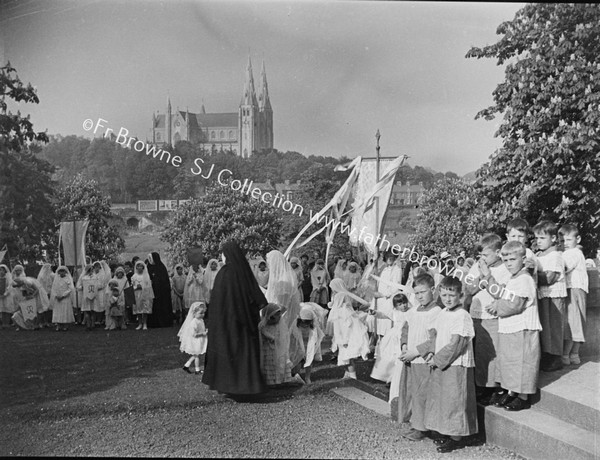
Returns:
(299,229)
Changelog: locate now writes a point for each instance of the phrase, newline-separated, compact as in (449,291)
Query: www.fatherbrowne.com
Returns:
(413,256)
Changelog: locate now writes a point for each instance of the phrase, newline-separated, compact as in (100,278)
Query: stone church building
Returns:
(248,130)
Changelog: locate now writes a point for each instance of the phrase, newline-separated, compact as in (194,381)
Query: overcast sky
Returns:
(337,71)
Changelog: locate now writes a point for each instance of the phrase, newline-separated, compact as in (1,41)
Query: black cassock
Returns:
(232,362)
(162,308)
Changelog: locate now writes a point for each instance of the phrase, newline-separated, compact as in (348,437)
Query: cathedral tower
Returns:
(249,116)
(266,112)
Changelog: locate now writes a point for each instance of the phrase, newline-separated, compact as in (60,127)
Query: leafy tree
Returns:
(81,199)
(548,165)
(220,215)
(450,216)
(25,181)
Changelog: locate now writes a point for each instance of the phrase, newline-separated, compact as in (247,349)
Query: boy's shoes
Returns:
(497,397)
(565,360)
(574,358)
(441,440)
(517,404)
(198,372)
(451,445)
(414,435)
(187,369)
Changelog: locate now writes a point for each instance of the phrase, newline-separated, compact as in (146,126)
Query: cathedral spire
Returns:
(249,97)
(264,101)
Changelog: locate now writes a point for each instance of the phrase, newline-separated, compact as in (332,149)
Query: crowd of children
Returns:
(444,335)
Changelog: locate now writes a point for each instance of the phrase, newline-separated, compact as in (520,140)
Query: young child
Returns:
(177,291)
(577,289)
(194,287)
(320,280)
(552,293)
(121,281)
(350,336)
(46,278)
(87,284)
(7,306)
(518,332)
(518,230)
(392,273)
(101,273)
(116,306)
(489,273)
(193,336)
(310,323)
(414,333)
(62,299)
(31,299)
(275,345)
(388,350)
(144,295)
(450,408)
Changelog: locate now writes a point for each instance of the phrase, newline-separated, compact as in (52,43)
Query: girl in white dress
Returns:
(62,299)
(310,324)
(388,349)
(46,278)
(144,295)
(193,336)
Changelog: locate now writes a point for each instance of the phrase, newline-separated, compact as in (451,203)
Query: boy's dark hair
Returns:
(546,227)
(425,279)
(518,224)
(451,283)
(399,298)
(490,240)
(569,229)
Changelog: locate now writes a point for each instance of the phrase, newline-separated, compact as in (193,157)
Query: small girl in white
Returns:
(144,295)
(193,336)
(62,299)
(388,349)
(310,323)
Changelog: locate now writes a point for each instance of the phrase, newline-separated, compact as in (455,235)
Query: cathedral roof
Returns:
(203,120)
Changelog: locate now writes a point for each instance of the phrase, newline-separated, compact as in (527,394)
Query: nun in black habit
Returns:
(162,308)
(232,363)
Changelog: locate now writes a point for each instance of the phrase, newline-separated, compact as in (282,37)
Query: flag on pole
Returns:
(363,212)
(72,236)
(335,206)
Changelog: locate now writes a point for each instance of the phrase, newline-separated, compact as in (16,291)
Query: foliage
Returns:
(548,166)
(25,181)
(220,215)
(81,199)
(450,217)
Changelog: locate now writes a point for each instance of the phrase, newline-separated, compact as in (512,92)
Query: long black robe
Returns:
(162,308)
(232,363)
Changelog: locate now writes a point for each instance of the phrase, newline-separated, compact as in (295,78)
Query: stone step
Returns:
(534,434)
(572,394)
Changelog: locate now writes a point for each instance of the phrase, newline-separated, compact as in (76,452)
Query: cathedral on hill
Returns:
(248,130)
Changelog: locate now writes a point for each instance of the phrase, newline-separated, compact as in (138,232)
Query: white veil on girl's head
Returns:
(210,275)
(147,291)
(8,276)
(46,276)
(282,287)
(14,276)
(60,285)
(186,327)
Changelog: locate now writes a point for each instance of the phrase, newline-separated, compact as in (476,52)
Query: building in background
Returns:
(248,130)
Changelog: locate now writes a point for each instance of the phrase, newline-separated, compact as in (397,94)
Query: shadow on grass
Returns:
(45,365)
